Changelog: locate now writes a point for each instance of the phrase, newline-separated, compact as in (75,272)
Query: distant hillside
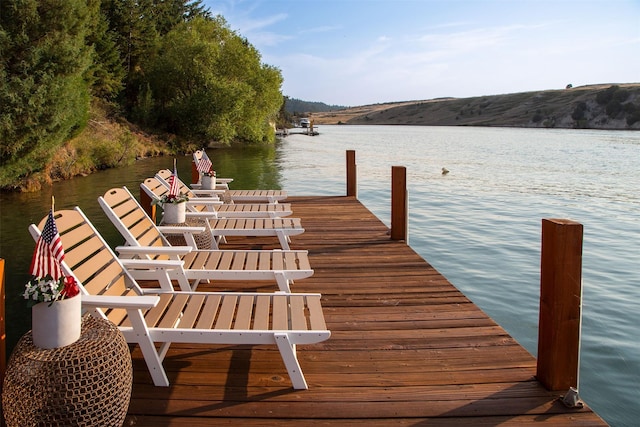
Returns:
(299,107)
(608,106)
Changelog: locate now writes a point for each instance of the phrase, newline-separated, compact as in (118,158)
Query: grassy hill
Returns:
(606,106)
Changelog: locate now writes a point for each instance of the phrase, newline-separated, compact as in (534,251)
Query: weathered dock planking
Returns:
(407,348)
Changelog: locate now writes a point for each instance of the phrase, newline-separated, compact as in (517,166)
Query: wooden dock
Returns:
(297,131)
(407,348)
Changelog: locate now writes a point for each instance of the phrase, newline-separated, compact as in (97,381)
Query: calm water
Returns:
(479,225)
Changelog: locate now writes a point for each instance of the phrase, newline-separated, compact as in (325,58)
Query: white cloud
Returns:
(321,29)
(251,25)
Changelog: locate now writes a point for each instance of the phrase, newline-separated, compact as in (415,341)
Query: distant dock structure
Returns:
(304,127)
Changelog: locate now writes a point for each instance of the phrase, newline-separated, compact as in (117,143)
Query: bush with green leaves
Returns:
(208,83)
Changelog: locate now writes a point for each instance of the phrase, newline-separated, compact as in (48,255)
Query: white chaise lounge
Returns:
(203,200)
(145,240)
(221,228)
(281,319)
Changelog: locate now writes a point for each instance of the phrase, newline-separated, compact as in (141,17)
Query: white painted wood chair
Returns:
(222,183)
(282,319)
(145,240)
(200,202)
(220,228)
(233,196)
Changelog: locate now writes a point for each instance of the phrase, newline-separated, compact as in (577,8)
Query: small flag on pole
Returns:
(174,186)
(49,252)
(204,164)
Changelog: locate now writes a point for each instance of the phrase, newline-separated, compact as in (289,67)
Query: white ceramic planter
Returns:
(174,213)
(58,324)
(208,182)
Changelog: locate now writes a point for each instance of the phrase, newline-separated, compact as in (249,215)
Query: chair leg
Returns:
(151,356)
(284,241)
(164,348)
(290,359)
(283,282)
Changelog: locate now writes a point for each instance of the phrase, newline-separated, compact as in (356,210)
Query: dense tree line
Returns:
(298,106)
(167,65)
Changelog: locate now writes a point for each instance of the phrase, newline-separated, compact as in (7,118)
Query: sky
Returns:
(360,52)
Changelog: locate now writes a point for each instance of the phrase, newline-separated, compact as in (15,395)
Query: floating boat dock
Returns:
(407,348)
(309,131)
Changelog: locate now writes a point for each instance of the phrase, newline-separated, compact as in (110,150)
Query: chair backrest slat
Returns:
(130,219)
(163,175)
(159,184)
(89,258)
(157,188)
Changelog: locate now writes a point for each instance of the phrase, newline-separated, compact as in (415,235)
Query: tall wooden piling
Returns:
(195,174)
(147,205)
(352,178)
(3,335)
(399,200)
(560,304)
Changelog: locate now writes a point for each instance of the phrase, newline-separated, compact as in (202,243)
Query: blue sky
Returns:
(358,52)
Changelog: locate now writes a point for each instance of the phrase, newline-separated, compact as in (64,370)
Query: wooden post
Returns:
(352,181)
(560,304)
(3,335)
(147,205)
(195,175)
(399,203)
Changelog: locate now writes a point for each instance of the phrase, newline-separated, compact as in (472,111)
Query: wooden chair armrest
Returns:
(153,250)
(204,200)
(171,229)
(202,215)
(209,193)
(167,264)
(126,302)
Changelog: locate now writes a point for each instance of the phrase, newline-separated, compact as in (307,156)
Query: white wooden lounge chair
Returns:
(236,196)
(145,240)
(220,228)
(199,202)
(283,319)
(222,183)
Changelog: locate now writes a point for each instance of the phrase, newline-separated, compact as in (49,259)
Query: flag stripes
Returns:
(49,252)
(204,164)
(174,186)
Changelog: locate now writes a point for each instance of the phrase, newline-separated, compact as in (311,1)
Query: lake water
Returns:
(479,225)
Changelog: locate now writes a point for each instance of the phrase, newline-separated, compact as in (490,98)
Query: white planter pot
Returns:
(208,182)
(174,213)
(57,325)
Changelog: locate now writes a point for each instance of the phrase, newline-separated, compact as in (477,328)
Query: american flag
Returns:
(174,186)
(49,252)
(204,164)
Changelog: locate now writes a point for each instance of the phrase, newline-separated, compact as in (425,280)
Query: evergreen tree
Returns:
(136,27)
(44,98)
(170,13)
(107,72)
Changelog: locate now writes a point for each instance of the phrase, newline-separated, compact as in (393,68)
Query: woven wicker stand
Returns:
(87,383)
(203,240)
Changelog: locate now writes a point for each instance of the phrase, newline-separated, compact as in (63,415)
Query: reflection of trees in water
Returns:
(253,166)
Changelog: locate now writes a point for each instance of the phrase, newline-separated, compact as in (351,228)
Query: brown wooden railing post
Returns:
(195,175)
(352,177)
(399,203)
(147,205)
(3,335)
(560,304)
